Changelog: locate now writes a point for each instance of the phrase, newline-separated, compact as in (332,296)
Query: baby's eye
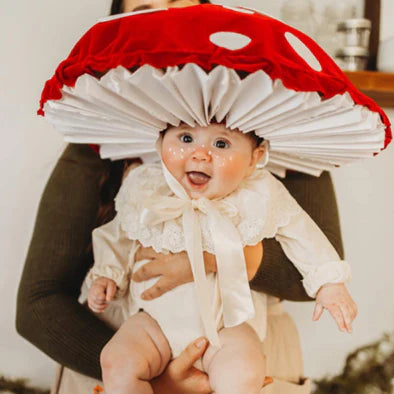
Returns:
(221,144)
(186,138)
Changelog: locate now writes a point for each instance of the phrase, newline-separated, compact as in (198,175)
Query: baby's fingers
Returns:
(336,313)
(348,316)
(110,292)
(98,294)
(317,312)
(97,307)
(353,309)
(98,310)
(98,300)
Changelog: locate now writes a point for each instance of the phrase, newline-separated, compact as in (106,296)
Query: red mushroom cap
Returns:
(178,36)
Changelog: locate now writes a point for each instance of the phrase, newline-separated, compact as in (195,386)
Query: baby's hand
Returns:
(336,298)
(100,293)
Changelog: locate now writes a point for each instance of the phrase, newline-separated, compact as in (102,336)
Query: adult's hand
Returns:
(174,270)
(180,376)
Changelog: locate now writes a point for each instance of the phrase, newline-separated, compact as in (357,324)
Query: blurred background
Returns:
(36,35)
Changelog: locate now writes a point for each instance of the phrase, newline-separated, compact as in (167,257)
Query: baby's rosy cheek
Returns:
(228,164)
(173,154)
(224,162)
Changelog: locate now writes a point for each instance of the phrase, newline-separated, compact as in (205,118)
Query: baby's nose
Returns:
(202,153)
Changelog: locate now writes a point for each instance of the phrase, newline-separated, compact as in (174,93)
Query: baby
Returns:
(207,196)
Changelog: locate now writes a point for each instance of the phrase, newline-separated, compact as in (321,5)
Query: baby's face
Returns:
(209,161)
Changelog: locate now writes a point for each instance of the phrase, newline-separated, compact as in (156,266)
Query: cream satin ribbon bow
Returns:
(231,268)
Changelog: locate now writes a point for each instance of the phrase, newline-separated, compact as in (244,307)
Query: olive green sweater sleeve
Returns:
(277,275)
(48,312)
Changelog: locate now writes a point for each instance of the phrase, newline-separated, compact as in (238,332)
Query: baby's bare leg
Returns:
(137,353)
(239,366)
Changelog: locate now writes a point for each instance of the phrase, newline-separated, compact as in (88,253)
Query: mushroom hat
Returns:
(133,75)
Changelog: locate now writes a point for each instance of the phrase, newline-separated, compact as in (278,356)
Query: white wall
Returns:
(35,36)
(365,194)
(387,28)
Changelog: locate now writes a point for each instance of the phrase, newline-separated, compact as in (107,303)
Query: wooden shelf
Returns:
(377,85)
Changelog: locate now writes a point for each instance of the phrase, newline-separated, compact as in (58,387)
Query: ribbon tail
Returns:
(231,267)
(194,250)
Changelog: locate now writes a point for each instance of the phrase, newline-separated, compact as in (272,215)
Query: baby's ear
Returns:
(257,154)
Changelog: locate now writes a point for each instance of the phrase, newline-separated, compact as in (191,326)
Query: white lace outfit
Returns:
(150,213)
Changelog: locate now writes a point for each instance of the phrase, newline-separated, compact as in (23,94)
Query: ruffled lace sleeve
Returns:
(113,255)
(310,251)
(267,210)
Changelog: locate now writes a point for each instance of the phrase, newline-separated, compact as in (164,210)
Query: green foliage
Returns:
(18,386)
(368,370)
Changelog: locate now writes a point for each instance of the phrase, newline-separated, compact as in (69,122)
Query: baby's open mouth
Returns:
(198,178)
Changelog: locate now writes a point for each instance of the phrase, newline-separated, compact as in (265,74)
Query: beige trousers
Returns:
(284,356)
(281,345)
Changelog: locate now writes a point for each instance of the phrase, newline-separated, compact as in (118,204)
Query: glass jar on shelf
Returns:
(352,58)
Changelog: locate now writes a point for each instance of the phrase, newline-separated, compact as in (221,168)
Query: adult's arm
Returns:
(277,275)
(48,312)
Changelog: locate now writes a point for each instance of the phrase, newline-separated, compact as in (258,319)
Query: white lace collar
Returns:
(257,208)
